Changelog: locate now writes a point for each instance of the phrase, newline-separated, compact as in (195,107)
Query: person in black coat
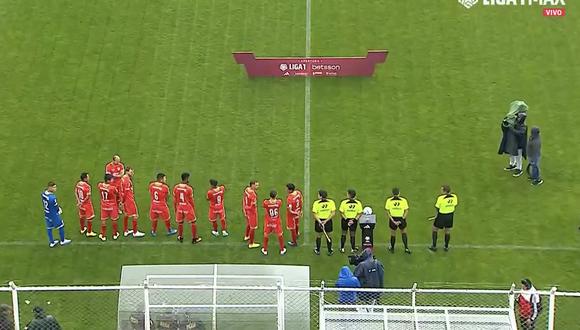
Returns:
(514,143)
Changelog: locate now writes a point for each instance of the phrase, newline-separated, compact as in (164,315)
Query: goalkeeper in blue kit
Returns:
(52,216)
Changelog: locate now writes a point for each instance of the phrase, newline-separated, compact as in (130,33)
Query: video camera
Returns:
(355,259)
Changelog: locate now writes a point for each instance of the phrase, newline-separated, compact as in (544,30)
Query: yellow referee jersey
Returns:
(396,205)
(446,203)
(350,209)
(323,209)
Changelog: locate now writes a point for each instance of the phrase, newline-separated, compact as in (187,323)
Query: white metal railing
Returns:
(325,300)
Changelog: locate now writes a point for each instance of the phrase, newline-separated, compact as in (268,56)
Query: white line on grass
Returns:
(228,242)
(306,205)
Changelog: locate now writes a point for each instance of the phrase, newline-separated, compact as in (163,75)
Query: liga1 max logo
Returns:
(551,11)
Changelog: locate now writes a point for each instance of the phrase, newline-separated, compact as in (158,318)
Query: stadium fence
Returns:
(283,307)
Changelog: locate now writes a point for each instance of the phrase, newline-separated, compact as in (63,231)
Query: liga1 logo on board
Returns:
(546,11)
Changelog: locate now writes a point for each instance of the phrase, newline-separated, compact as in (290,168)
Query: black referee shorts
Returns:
(403,224)
(327,226)
(345,226)
(444,221)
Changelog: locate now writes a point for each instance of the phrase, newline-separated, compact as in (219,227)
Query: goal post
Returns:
(222,296)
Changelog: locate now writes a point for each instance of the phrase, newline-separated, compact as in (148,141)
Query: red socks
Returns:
(281,242)
(135,226)
(154,225)
(167,225)
(193,230)
(214,225)
(90,226)
(265,244)
(125,223)
(103,228)
(294,234)
(252,236)
(224,226)
(180,229)
(247,233)
(115,227)
(82,223)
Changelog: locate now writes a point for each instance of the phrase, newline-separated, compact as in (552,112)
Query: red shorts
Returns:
(291,221)
(252,220)
(130,208)
(213,214)
(184,213)
(273,228)
(86,211)
(159,213)
(110,213)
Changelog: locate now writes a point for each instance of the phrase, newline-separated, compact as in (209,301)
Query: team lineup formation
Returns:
(117,198)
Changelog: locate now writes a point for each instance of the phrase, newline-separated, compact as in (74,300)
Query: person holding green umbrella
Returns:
(514,136)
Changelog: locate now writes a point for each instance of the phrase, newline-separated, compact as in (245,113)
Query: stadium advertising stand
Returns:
(311,66)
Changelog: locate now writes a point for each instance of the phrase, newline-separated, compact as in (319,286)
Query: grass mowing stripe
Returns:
(240,244)
(307,127)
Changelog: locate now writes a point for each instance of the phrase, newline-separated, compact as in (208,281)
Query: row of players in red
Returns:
(117,197)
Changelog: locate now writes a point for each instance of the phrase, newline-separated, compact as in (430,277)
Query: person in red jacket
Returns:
(529,305)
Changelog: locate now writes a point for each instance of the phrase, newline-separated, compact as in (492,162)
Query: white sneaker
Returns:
(283,251)
(264,252)
(102,238)
(65,242)
(225,233)
(127,233)
(215,233)
(116,235)
(53,244)
(138,234)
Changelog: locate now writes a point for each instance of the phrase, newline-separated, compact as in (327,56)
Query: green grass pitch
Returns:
(155,82)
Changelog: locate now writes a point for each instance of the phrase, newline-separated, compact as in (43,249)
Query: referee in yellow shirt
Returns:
(351,210)
(397,209)
(323,209)
(445,205)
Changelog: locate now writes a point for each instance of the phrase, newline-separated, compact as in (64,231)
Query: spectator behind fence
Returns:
(347,280)
(6,317)
(41,321)
(529,305)
(370,274)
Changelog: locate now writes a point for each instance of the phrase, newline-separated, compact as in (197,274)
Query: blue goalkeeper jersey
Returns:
(51,208)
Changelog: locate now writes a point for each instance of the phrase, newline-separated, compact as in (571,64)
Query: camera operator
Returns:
(370,273)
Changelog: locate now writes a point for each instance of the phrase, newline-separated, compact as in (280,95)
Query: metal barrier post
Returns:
(321,321)
(15,309)
(552,308)
(147,314)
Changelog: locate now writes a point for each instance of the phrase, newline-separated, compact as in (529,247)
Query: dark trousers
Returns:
(534,168)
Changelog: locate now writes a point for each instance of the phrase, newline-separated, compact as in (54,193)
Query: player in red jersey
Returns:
(129,205)
(159,190)
(109,207)
(293,211)
(85,205)
(250,208)
(272,223)
(117,170)
(215,196)
(185,208)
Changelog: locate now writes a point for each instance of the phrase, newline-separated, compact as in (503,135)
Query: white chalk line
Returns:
(231,241)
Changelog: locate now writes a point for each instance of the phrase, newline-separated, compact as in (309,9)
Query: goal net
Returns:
(219,296)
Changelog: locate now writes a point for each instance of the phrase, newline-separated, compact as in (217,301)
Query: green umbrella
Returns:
(515,108)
